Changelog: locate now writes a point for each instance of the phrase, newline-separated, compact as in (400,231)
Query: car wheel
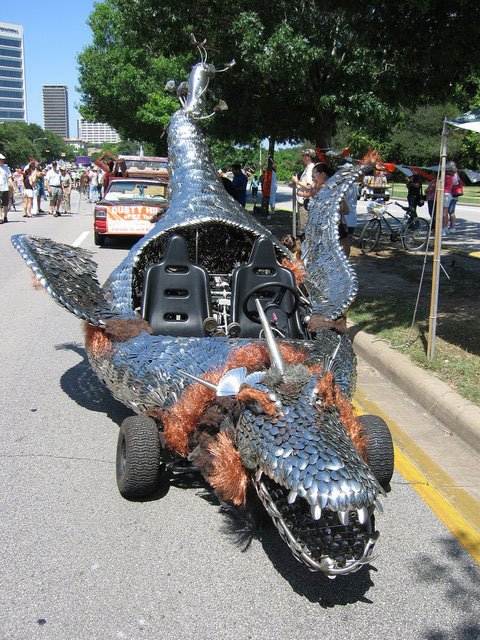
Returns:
(99,239)
(138,457)
(379,451)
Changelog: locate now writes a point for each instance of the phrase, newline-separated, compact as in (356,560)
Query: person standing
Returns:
(457,190)
(29,176)
(5,184)
(254,188)
(93,188)
(305,181)
(66,190)
(239,184)
(414,192)
(54,189)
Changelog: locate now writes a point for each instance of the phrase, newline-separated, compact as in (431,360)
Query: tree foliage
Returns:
(20,142)
(301,66)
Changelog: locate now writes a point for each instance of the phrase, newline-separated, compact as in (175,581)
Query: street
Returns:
(80,563)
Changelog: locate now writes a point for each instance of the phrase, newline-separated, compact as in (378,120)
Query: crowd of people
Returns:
(49,186)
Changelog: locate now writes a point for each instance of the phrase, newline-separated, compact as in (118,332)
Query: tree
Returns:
(301,66)
(20,142)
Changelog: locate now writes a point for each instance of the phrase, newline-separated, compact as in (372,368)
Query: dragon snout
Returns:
(316,487)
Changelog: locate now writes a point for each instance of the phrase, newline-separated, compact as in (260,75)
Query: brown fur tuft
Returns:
(96,342)
(318,322)
(120,330)
(229,477)
(35,283)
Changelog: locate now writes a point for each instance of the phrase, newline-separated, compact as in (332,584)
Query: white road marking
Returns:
(80,239)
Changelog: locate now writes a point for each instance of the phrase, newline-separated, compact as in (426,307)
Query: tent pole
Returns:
(437,250)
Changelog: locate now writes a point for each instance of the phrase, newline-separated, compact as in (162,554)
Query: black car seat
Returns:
(176,293)
(263,268)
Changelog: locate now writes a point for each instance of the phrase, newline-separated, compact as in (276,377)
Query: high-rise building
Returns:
(96,132)
(55,109)
(12,76)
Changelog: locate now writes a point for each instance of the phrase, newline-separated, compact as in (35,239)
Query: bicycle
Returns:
(413,232)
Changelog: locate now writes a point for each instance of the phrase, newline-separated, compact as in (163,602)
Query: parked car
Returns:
(128,206)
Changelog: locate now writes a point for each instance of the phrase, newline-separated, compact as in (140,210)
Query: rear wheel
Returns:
(370,235)
(415,236)
(379,452)
(138,457)
(99,239)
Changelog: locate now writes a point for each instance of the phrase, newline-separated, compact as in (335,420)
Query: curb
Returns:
(460,415)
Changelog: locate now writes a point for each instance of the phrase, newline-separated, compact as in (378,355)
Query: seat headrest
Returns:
(263,253)
(176,251)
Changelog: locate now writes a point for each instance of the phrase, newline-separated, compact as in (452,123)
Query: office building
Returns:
(12,74)
(55,109)
(96,132)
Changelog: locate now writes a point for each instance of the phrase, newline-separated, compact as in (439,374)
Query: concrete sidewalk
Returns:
(459,415)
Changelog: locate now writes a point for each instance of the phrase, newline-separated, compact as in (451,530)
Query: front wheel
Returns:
(415,236)
(370,235)
(379,450)
(138,457)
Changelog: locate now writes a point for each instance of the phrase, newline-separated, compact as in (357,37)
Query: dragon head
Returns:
(299,444)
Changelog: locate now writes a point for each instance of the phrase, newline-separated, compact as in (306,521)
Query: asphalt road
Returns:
(80,562)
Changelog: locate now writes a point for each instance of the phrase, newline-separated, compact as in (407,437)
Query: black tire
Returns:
(138,457)
(379,452)
(99,239)
(370,235)
(415,236)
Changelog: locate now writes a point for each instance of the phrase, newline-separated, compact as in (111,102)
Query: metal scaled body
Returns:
(313,482)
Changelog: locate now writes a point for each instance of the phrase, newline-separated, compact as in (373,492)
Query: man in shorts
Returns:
(6,183)
(53,181)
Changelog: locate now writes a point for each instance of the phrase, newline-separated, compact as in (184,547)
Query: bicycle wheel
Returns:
(370,235)
(415,234)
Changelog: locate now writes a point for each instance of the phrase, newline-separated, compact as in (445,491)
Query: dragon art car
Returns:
(228,351)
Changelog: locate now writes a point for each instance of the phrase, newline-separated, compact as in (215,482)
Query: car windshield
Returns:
(136,190)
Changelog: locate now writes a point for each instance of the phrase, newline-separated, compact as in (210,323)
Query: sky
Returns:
(54,33)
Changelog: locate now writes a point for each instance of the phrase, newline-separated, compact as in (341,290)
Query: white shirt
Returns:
(5,173)
(306,177)
(53,178)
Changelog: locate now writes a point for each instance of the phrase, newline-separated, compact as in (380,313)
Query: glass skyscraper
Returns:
(12,76)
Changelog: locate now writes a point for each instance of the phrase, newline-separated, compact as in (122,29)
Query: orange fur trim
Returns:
(253,357)
(181,419)
(229,477)
(297,268)
(248,394)
(96,342)
(120,330)
(318,322)
(291,354)
(333,396)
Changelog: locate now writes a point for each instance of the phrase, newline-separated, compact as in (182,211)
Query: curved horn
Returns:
(275,355)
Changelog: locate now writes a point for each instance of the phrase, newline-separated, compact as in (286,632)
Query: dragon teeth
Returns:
(292,496)
(362,515)
(344,517)
(316,512)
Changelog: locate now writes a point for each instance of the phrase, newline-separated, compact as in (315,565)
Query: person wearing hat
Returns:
(6,182)
(305,181)
(54,189)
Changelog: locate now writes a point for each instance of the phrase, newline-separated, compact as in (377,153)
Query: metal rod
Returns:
(275,355)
